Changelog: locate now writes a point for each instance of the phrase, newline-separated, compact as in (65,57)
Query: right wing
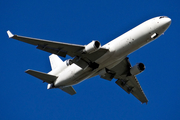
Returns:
(61,49)
(57,48)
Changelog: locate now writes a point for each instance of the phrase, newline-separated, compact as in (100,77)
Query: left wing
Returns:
(59,48)
(127,82)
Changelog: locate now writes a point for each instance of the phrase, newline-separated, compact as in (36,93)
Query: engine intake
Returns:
(92,47)
(69,62)
(138,68)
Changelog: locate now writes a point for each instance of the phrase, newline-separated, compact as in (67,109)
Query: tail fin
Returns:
(55,61)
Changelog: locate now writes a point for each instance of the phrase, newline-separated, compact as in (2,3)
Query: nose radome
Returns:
(168,20)
(165,19)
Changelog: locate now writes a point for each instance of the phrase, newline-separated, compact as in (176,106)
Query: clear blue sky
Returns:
(24,97)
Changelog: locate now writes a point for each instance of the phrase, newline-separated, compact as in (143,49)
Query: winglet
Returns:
(10,34)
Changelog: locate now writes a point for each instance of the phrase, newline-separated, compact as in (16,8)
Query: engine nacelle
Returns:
(92,47)
(69,62)
(138,68)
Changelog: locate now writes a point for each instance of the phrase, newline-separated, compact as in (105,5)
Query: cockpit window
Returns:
(162,17)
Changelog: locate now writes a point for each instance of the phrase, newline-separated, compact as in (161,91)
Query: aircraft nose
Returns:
(167,21)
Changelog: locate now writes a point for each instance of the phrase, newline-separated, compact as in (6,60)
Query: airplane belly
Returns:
(121,48)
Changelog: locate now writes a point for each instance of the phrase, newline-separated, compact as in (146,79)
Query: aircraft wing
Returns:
(59,48)
(128,83)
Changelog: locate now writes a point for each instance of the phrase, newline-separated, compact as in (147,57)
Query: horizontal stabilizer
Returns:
(42,76)
(70,90)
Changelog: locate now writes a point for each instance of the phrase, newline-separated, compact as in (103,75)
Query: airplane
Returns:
(109,61)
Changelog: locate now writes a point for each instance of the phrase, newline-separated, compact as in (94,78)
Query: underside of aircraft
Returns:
(109,61)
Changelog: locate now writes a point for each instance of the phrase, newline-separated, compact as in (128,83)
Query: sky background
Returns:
(23,97)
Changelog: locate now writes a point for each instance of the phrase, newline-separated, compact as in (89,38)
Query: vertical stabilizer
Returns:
(55,61)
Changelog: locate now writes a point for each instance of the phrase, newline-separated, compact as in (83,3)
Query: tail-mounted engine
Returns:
(92,47)
(69,62)
(138,68)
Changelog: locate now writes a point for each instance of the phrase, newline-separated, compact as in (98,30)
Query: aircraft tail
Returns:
(70,90)
(55,61)
(42,76)
(57,66)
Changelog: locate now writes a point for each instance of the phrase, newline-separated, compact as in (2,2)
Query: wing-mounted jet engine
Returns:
(92,47)
(85,59)
(136,69)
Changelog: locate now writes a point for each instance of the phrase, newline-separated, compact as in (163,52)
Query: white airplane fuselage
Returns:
(119,48)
